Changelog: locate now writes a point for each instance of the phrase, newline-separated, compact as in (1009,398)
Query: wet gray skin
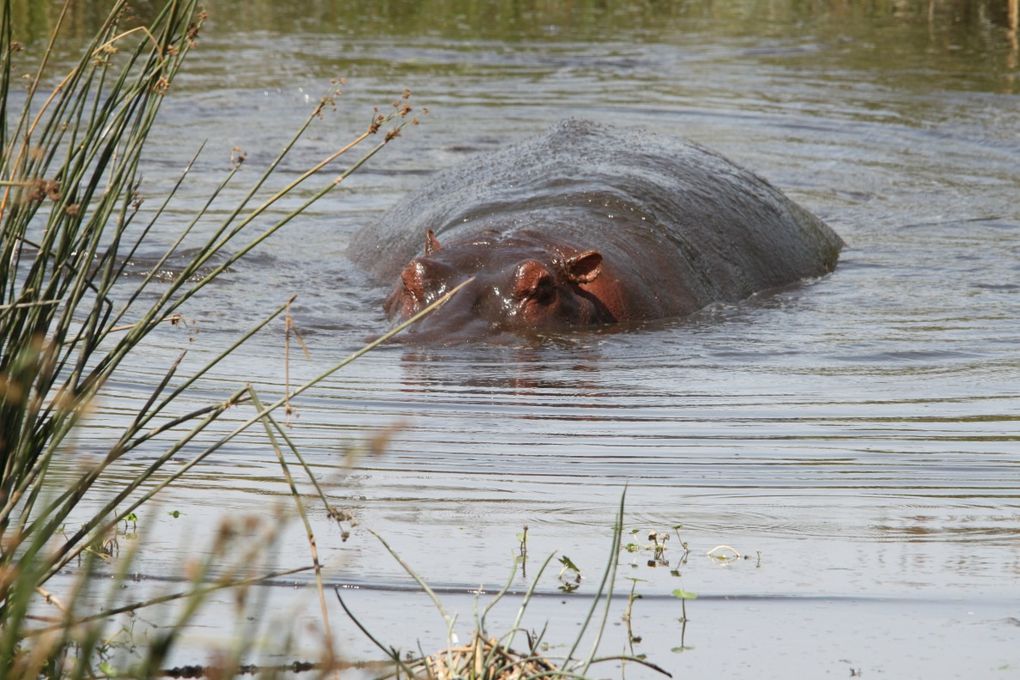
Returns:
(588,225)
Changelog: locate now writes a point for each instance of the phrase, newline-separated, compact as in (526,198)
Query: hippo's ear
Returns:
(583,267)
(431,242)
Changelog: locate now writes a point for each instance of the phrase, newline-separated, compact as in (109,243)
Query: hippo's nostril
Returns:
(545,292)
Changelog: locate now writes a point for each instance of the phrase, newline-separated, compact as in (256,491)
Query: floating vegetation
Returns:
(485,659)
(488,657)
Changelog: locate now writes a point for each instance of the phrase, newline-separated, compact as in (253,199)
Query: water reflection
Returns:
(521,371)
(960,33)
(1014,43)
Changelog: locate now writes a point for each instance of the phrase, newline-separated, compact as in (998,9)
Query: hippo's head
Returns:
(522,283)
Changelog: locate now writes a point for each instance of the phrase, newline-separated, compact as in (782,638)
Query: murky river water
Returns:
(857,437)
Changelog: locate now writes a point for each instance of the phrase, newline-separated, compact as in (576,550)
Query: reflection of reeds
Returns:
(70,209)
(1012,31)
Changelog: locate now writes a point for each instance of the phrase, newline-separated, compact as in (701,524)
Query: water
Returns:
(857,438)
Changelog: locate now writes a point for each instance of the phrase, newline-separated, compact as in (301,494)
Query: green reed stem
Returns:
(271,428)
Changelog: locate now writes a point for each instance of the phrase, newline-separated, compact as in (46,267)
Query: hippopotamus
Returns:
(587,225)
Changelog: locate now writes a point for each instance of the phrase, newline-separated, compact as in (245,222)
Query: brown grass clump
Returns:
(485,659)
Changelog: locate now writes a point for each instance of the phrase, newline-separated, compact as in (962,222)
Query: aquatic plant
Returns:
(72,220)
(488,657)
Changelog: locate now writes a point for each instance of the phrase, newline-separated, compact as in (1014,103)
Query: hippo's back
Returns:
(671,212)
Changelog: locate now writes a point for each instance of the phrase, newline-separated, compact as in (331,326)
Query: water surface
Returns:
(857,437)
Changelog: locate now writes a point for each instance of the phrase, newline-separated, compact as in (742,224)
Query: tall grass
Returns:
(71,223)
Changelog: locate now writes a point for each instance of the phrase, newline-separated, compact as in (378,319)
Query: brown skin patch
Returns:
(610,295)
